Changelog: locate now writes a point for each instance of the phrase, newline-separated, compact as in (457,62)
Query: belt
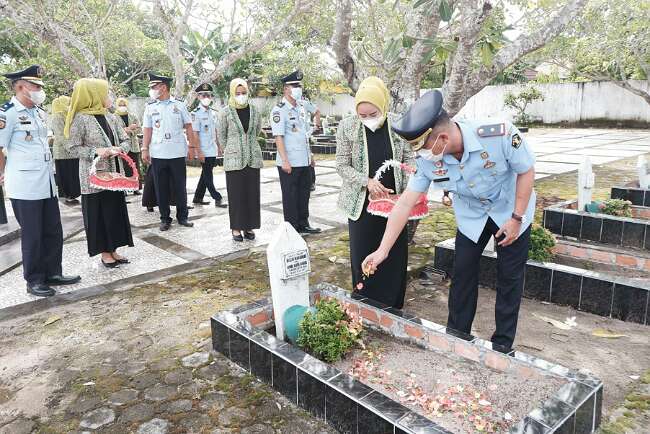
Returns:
(46,156)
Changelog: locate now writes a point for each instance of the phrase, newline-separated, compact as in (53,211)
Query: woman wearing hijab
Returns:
(238,126)
(132,128)
(67,166)
(363,142)
(93,131)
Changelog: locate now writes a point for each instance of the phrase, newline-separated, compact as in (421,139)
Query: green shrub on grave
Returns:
(542,242)
(330,332)
(616,207)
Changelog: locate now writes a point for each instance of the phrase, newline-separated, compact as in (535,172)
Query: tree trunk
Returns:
(341,44)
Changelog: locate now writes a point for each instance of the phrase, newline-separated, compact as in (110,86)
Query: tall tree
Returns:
(466,35)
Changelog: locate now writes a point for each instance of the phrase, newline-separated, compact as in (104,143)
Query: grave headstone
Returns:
(586,180)
(642,170)
(289,266)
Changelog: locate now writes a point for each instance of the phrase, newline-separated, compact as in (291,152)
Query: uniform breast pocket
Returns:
(28,165)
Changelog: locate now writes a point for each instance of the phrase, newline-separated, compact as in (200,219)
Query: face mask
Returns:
(206,101)
(37,96)
(122,109)
(296,93)
(154,93)
(371,123)
(428,155)
(241,99)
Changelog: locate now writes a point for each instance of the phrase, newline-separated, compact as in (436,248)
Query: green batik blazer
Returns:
(352,163)
(240,149)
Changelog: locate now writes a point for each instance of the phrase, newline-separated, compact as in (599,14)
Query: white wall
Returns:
(563,102)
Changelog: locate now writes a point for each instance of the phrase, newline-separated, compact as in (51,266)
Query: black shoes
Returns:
(237,237)
(111,264)
(220,204)
(122,261)
(150,209)
(249,235)
(186,223)
(201,202)
(40,290)
(309,230)
(71,201)
(164,226)
(137,193)
(60,279)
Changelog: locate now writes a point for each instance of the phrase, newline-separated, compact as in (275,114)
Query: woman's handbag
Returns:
(114,181)
(383,206)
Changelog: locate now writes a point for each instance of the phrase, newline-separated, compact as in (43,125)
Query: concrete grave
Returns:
(289,267)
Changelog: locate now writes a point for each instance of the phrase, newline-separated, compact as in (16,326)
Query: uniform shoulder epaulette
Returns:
(178,100)
(492,130)
(152,102)
(6,106)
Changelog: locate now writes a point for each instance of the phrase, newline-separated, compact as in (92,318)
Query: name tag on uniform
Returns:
(441,179)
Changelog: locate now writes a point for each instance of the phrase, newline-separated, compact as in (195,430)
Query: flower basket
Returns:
(382,207)
(114,181)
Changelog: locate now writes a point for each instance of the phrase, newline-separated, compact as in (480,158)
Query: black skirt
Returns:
(149,199)
(67,177)
(106,221)
(388,284)
(243,188)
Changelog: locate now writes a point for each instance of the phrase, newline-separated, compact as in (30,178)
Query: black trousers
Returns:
(312,173)
(164,171)
(3,210)
(41,237)
(206,181)
(295,195)
(463,294)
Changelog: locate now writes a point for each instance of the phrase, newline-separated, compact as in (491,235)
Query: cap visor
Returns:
(39,82)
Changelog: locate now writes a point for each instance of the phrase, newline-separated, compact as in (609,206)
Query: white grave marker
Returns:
(642,170)
(289,266)
(586,180)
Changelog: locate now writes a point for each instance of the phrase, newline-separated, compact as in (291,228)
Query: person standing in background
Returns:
(132,128)
(67,166)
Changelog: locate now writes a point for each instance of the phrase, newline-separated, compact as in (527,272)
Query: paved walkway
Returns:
(558,151)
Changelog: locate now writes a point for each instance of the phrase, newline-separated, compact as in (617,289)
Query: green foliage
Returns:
(330,332)
(542,242)
(616,207)
(520,102)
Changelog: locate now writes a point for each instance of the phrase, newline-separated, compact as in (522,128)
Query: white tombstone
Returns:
(642,170)
(586,180)
(289,266)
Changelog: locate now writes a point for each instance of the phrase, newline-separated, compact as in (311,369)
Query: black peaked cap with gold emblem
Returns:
(421,117)
(205,87)
(33,74)
(293,78)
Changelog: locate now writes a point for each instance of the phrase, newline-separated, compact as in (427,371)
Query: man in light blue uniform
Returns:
(294,156)
(30,182)
(204,124)
(167,127)
(307,110)
(489,168)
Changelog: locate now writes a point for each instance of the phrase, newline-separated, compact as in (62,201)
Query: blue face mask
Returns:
(296,93)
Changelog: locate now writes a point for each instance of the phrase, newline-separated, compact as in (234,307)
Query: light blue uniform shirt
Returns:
(167,119)
(204,122)
(287,121)
(307,109)
(29,170)
(483,181)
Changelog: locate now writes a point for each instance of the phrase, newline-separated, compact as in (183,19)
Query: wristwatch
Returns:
(520,218)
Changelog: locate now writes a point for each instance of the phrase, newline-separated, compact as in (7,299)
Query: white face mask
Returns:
(372,123)
(154,93)
(122,109)
(206,101)
(296,93)
(428,155)
(37,96)
(241,99)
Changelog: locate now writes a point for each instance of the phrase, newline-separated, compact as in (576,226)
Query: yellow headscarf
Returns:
(374,91)
(60,105)
(88,97)
(233,87)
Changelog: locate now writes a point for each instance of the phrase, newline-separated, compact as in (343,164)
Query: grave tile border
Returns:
(554,216)
(638,196)
(580,399)
(596,306)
